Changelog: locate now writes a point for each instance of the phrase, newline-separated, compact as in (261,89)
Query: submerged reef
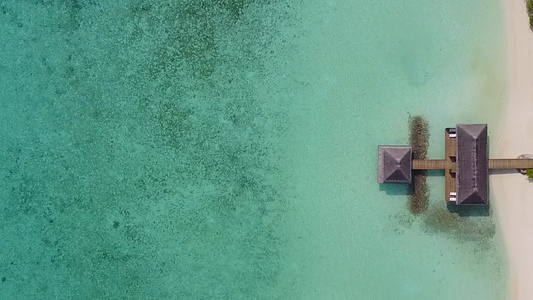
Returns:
(419,196)
(419,136)
(463,223)
(419,141)
(155,151)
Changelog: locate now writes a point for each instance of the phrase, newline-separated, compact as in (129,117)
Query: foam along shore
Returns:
(513,193)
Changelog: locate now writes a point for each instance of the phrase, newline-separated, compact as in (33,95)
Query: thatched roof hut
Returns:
(472,164)
(394,164)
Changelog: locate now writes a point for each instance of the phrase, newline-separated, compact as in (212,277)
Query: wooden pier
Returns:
(429,164)
(510,163)
(466,164)
(449,163)
(450,149)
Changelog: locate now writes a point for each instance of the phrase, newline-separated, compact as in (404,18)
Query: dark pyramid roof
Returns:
(475,131)
(397,162)
(474,198)
(394,164)
(472,164)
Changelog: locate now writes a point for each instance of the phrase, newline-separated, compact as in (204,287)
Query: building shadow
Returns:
(435,173)
(468,210)
(503,172)
(395,189)
(509,171)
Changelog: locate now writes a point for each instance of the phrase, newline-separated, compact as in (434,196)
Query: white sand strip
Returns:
(513,192)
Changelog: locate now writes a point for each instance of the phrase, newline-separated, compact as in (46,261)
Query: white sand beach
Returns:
(513,192)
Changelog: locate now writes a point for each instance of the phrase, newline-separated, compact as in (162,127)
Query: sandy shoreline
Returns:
(513,193)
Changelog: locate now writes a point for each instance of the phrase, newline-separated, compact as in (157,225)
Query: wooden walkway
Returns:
(510,163)
(429,164)
(450,153)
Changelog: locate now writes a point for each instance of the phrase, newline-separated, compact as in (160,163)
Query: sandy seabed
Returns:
(513,192)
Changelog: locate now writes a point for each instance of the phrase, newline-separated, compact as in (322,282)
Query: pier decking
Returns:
(450,153)
(429,164)
(510,163)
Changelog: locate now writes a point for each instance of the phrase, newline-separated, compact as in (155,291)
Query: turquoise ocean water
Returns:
(227,149)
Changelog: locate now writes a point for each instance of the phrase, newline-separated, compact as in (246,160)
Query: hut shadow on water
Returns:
(417,192)
(395,189)
(434,173)
(468,210)
(472,223)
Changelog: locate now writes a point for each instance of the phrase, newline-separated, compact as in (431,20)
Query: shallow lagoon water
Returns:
(202,150)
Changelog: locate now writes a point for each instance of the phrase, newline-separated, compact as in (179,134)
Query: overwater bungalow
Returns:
(395,164)
(466,164)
